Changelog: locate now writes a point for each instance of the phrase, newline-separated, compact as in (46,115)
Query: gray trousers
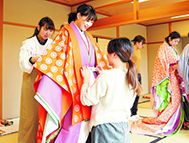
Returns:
(111,133)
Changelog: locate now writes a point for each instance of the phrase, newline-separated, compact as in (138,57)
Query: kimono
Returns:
(62,117)
(166,95)
(183,70)
(183,67)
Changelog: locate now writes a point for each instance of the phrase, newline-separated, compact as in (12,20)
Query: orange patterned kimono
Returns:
(166,94)
(61,63)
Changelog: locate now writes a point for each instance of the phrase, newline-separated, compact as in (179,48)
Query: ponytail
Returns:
(72,17)
(36,32)
(132,78)
(123,47)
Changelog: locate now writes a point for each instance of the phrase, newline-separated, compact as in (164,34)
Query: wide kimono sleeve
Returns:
(54,61)
(58,64)
(160,87)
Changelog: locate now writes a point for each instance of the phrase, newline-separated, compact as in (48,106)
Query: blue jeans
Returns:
(111,133)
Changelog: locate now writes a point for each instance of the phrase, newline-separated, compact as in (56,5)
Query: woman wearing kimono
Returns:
(63,119)
(166,93)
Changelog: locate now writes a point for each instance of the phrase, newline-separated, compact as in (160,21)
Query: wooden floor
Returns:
(11,138)
(143,110)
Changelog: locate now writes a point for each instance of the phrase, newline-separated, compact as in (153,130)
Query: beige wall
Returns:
(31,11)
(27,12)
(12,74)
(109,32)
(130,31)
(157,33)
(185,41)
(182,27)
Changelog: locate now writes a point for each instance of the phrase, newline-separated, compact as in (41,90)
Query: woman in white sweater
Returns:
(112,94)
(30,52)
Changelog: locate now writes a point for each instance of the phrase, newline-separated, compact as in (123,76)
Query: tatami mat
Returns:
(144,111)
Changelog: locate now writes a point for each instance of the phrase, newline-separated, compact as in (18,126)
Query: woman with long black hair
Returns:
(168,115)
(62,116)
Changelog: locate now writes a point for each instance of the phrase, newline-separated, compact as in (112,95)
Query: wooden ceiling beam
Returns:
(69,3)
(161,12)
(98,9)
(165,11)
(113,4)
(113,21)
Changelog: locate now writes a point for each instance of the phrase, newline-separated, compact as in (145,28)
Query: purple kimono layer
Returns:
(67,133)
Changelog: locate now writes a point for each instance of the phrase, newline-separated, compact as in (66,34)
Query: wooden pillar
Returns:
(135,9)
(170,28)
(1,55)
(117,31)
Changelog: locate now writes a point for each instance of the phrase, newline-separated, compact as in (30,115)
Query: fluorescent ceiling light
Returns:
(141,1)
(179,16)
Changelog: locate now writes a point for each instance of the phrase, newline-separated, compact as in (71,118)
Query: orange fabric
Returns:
(165,56)
(62,63)
(161,70)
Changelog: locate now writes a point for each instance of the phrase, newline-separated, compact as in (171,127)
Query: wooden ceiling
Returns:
(115,13)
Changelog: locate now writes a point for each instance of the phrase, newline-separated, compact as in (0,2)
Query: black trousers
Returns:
(88,138)
(134,108)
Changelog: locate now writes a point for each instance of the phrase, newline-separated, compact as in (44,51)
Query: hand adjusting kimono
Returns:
(61,113)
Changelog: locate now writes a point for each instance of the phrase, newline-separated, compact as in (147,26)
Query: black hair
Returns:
(84,10)
(139,38)
(172,35)
(45,21)
(61,26)
(123,47)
